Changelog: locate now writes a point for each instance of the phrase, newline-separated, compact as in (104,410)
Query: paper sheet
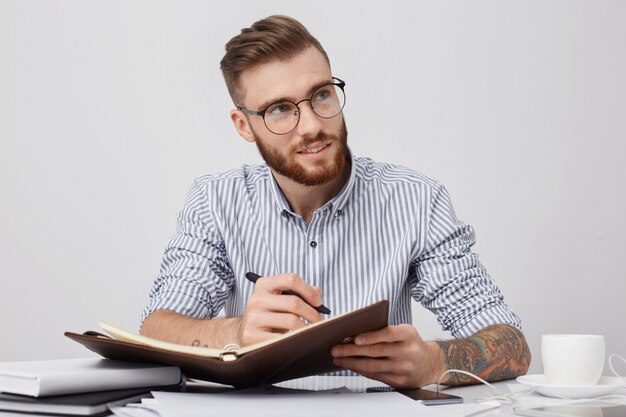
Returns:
(467,409)
(147,408)
(302,405)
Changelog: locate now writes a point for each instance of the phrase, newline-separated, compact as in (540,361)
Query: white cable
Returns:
(502,396)
(513,397)
(611,357)
(458,371)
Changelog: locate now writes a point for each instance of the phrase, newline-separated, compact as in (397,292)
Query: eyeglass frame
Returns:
(340,84)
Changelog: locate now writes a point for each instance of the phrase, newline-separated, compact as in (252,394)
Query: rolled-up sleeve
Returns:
(195,276)
(449,279)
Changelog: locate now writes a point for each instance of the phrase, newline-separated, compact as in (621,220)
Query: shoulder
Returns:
(391,175)
(227,188)
(239,178)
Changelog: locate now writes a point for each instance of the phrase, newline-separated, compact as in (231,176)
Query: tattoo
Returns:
(495,353)
(196,343)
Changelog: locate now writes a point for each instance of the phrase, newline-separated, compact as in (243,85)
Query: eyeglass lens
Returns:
(327,102)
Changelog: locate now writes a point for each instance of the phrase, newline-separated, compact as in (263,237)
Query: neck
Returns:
(305,199)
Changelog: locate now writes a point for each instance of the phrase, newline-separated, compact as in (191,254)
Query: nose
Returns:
(310,124)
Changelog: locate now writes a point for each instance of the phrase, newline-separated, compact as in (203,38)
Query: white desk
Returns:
(289,400)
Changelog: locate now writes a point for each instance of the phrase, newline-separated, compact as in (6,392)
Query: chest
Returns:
(357,257)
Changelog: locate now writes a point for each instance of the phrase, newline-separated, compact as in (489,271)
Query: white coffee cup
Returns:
(572,359)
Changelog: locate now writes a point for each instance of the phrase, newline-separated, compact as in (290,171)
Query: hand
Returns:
(270,313)
(395,355)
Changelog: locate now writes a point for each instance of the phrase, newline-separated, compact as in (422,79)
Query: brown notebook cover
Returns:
(302,354)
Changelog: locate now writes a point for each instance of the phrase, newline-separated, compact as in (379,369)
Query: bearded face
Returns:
(312,160)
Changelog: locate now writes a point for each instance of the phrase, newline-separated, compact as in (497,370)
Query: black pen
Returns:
(252,277)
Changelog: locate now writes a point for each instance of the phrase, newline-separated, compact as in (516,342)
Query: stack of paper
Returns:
(71,376)
(77,386)
(85,404)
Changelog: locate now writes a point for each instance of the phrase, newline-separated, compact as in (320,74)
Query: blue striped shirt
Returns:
(390,233)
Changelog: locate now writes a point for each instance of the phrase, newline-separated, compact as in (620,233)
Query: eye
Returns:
(322,94)
(278,109)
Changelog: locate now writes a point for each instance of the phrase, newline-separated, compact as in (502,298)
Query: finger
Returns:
(363,366)
(287,304)
(301,308)
(256,336)
(279,283)
(275,322)
(389,372)
(387,334)
(379,350)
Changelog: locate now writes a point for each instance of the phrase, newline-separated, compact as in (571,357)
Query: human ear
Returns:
(242,125)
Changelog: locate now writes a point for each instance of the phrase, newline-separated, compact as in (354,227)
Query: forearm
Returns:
(495,353)
(176,328)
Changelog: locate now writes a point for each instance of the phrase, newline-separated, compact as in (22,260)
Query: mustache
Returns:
(320,137)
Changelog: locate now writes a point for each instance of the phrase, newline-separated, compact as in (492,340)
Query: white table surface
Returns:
(354,384)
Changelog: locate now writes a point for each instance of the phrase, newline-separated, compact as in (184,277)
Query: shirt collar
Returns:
(336,204)
(281,202)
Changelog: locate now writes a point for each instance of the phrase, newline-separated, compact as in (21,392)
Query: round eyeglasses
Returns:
(281,117)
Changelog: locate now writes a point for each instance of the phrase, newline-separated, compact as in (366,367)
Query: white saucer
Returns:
(606,385)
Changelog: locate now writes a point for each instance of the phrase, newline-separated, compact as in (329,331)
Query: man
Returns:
(332,227)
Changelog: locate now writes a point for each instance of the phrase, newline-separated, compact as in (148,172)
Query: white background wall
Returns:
(108,110)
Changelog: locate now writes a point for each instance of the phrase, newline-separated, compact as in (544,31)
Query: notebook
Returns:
(299,353)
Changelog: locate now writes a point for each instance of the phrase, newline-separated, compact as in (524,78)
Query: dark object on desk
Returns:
(296,354)
(421,395)
(86,404)
(252,277)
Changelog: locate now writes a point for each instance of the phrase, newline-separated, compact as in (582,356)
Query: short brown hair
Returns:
(273,38)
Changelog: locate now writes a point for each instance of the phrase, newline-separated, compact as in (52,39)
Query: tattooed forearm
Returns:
(495,353)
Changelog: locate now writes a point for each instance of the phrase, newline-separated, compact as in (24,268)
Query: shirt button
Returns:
(313,244)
